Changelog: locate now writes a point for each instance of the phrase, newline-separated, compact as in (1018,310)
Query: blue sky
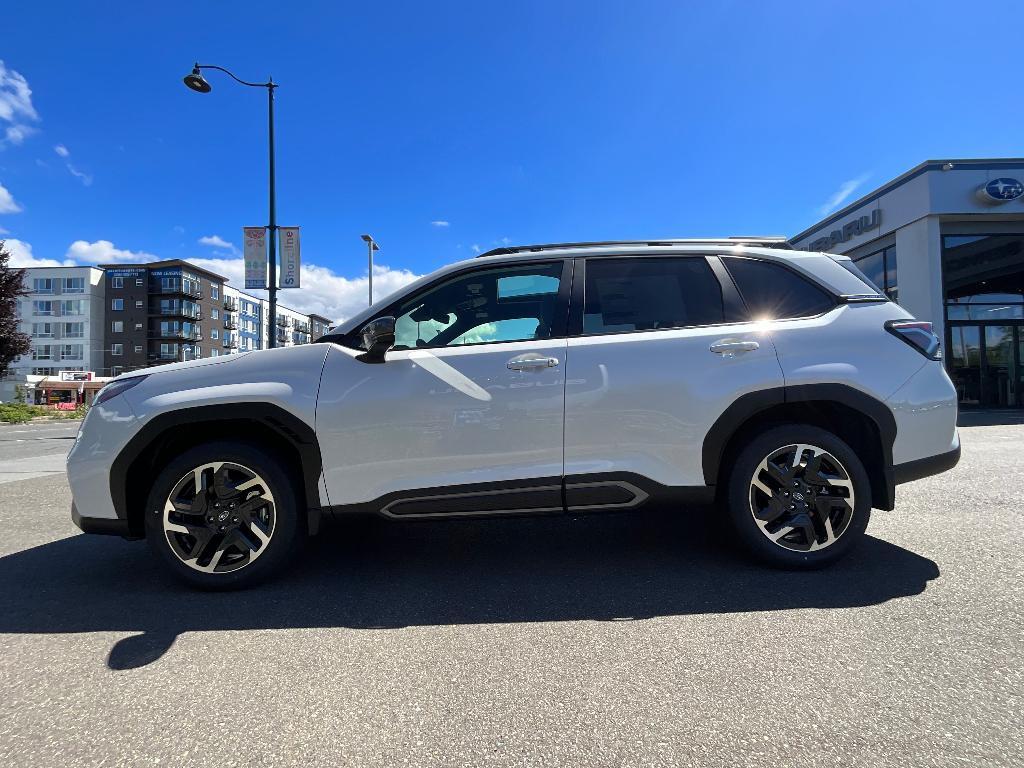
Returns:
(531,122)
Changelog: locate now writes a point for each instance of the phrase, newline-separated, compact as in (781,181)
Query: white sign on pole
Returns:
(290,259)
(254,242)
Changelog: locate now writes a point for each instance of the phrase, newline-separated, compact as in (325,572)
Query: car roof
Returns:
(775,249)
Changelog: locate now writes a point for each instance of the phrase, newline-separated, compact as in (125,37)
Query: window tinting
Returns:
(515,303)
(773,292)
(650,294)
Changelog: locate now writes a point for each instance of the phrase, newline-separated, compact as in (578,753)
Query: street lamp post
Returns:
(198,83)
(371,246)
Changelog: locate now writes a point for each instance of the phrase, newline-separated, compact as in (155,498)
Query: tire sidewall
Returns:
(288,528)
(738,496)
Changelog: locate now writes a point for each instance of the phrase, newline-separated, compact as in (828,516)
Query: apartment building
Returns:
(109,319)
(161,312)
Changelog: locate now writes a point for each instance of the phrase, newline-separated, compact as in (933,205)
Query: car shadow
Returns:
(376,574)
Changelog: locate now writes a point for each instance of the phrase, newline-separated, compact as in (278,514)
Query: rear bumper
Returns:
(110,526)
(930,465)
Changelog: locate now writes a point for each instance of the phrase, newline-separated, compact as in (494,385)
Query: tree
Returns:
(13,343)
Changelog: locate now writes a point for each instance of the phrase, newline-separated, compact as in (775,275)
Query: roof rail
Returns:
(771,241)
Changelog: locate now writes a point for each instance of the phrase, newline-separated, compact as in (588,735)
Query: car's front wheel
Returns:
(798,497)
(223,515)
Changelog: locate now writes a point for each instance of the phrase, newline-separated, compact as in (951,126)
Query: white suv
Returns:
(538,379)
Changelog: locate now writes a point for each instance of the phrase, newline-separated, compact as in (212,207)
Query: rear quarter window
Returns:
(773,292)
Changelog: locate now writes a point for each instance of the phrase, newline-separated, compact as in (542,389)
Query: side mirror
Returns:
(378,338)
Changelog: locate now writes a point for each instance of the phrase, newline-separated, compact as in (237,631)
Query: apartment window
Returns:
(42,307)
(42,352)
(74,330)
(168,351)
(116,370)
(214,333)
(44,371)
(71,307)
(117,304)
(138,326)
(117,326)
(74,285)
(71,352)
(214,291)
(117,282)
(42,330)
(138,303)
(138,349)
(117,350)
(42,285)
(214,313)
(214,353)
(139,282)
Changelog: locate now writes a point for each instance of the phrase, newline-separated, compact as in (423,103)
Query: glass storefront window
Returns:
(880,268)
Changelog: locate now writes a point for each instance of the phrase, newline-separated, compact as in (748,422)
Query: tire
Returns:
(246,508)
(824,500)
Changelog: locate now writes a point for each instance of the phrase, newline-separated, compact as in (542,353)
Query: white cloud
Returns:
(475,247)
(842,194)
(61,150)
(323,291)
(7,202)
(83,177)
(21,256)
(4,231)
(15,105)
(216,241)
(104,252)
(440,223)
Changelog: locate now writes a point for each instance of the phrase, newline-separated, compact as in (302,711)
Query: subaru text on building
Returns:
(575,377)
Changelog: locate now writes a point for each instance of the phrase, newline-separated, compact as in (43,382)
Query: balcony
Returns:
(180,287)
(282,322)
(282,335)
(231,322)
(230,303)
(178,309)
(177,333)
(302,327)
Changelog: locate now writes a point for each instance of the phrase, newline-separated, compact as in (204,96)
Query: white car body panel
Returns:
(438,417)
(925,409)
(642,402)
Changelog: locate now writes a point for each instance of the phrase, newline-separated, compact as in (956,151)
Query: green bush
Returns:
(18,413)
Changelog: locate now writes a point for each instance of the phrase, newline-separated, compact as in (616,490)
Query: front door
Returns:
(465,415)
(986,363)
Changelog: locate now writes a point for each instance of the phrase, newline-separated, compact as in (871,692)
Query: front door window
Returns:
(511,303)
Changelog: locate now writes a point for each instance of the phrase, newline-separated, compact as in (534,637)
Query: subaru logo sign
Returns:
(1001,190)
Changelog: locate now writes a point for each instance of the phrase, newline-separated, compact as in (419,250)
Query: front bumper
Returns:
(105,525)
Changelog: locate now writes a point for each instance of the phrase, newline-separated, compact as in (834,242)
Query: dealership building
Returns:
(946,241)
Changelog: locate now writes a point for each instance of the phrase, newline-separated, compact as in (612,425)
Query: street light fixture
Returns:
(198,83)
(371,246)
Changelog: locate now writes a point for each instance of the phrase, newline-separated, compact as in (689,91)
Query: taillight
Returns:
(917,334)
(115,388)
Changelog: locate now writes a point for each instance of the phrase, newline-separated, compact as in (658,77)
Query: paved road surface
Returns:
(37,449)
(604,641)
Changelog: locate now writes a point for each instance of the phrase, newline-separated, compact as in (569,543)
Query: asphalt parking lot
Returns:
(600,641)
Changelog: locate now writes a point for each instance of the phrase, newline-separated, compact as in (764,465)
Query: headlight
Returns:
(115,388)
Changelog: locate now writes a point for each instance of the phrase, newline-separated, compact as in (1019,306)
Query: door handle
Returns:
(732,347)
(530,362)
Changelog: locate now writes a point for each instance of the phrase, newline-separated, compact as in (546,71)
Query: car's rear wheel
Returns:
(223,515)
(798,497)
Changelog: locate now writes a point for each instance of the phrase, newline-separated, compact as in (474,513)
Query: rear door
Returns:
(657,351)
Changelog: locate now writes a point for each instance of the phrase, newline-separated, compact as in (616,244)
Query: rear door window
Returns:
(635,294)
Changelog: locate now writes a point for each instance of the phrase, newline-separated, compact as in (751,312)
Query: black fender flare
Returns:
(296,432)
(749,405)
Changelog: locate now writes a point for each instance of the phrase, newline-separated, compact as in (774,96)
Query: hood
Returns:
(168,367)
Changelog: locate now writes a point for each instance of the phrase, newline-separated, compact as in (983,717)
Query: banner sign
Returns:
(76,375)
(290,259)
(254,241)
